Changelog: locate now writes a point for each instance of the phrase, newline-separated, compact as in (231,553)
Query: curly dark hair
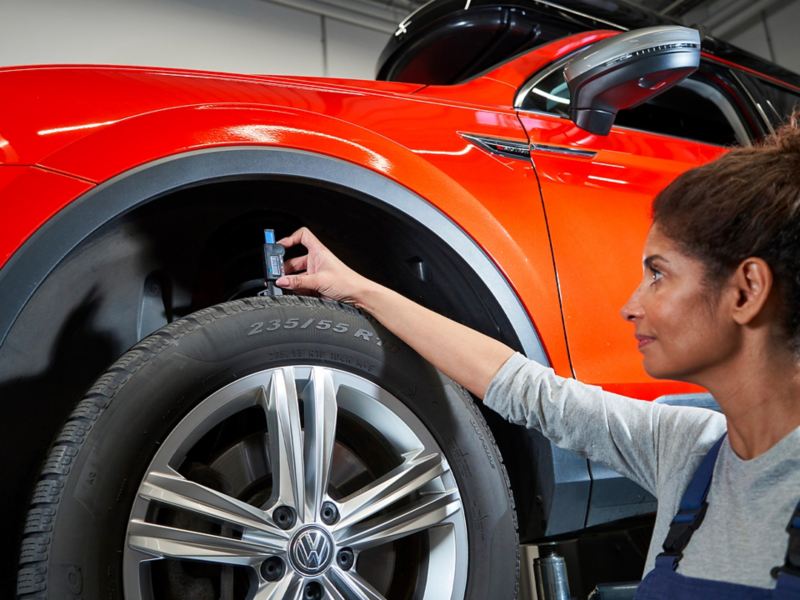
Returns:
(744,204)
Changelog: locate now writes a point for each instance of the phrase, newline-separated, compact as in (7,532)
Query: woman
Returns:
(716,307)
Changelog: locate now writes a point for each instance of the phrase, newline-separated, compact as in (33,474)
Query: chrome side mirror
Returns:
(626,70)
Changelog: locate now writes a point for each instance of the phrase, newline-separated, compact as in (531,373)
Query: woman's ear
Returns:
(752,283)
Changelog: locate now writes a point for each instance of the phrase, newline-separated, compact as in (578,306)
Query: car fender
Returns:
(97,122)
(155,135)
(145,140)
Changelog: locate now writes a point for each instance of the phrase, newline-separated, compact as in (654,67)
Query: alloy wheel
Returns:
(327,486)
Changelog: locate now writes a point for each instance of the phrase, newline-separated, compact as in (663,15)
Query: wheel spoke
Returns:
(351,586)
(320,431)
(285,441)
(175,490)
(415,472)
(161,541)
(330,590)
(429,511)
(288,588)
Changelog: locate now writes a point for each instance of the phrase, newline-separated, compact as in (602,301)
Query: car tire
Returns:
(173,477)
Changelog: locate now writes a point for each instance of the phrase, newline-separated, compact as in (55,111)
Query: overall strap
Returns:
(788,575)
(691,512)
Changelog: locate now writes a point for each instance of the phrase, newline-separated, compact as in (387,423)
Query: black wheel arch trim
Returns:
(29,266)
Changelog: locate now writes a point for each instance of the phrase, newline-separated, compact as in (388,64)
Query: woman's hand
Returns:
(320,271)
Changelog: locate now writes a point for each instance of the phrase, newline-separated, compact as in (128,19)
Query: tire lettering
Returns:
(322,325)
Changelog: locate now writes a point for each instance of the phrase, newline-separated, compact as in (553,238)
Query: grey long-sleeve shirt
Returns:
(659,447)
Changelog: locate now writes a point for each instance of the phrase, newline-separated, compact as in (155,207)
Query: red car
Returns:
(288,447)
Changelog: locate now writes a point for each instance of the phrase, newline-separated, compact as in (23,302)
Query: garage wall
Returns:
(763,27)
(247,36)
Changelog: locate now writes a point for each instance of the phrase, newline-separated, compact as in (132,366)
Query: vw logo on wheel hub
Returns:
(311,550)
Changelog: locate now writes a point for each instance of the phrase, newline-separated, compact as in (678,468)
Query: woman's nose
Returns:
(632,309)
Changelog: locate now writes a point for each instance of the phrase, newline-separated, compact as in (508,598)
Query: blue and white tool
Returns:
(273,263)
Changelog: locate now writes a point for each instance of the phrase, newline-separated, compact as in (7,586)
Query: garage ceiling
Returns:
(380,15)
(723,19)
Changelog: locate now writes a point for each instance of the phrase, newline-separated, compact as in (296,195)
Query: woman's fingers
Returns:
(304,282)
(294,265)
(302,236)
(291,240)
(319,271)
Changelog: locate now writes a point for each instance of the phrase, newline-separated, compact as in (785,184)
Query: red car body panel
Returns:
(81,125)
(30,196)
(436,163)
(598,210)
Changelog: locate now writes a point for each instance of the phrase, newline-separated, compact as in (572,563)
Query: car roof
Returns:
(450,41)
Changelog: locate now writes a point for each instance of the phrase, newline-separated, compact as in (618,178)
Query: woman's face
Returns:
(680,325)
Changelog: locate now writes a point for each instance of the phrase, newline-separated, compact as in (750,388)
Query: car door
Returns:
(597,192)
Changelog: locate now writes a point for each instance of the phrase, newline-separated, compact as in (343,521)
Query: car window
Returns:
(779,102)
(694,109)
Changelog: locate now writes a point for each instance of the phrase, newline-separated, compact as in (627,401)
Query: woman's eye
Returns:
(655,275)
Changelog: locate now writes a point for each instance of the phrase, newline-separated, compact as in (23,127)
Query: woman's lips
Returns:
(644,340)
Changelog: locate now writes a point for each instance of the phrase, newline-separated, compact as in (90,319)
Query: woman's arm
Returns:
(628,435)
(465,355)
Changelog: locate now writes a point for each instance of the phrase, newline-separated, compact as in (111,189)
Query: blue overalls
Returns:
(664,583)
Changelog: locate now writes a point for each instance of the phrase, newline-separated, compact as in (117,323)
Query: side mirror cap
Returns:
(626,70)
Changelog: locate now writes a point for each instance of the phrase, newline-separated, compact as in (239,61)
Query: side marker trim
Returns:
(507,148)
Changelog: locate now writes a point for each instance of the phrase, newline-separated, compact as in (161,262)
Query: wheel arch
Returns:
(42,252)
